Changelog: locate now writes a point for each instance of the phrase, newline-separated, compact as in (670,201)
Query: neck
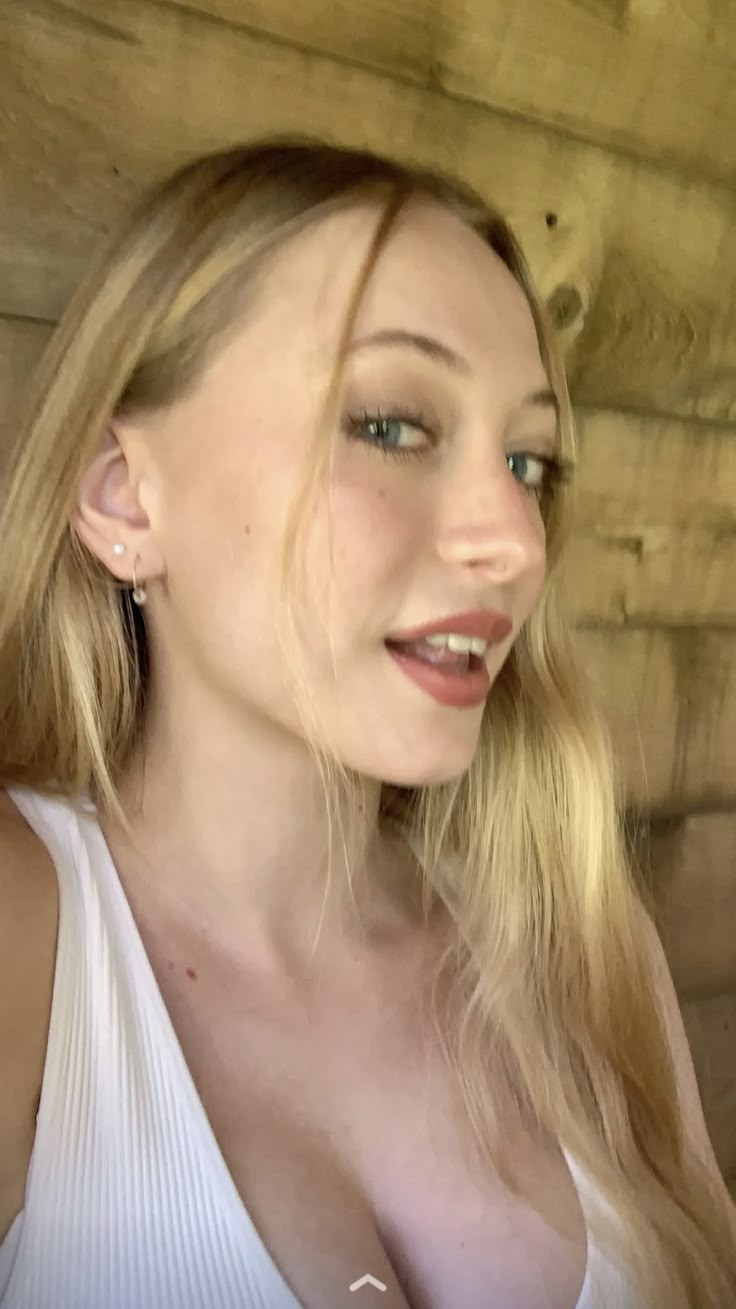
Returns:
(247,860)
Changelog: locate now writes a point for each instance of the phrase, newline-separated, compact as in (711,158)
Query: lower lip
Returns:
(443,684)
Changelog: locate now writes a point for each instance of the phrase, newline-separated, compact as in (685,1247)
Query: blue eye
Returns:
(553,470)
(383,431)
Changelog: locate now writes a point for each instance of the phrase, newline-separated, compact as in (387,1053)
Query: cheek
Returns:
(243,484)
(376,530)
(224,536)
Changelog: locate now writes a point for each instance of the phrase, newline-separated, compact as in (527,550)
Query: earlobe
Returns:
(108,509)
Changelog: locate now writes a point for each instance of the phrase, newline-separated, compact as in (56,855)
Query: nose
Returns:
(488,521)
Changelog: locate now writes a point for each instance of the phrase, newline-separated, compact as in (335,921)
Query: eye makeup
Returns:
(377,428)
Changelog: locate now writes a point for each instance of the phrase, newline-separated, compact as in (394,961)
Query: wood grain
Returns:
(655,540)
(711,1031)
(655,81)
(21,344)
(639,266)
(669,700)
(689,863)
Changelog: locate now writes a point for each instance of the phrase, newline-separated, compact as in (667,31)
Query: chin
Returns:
(435,773)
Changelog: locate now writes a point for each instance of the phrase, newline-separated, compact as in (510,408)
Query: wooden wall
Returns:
(604,128)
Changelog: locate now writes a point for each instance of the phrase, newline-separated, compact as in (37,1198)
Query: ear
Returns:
(109,510)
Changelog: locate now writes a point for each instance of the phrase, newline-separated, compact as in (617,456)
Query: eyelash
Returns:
(556,470)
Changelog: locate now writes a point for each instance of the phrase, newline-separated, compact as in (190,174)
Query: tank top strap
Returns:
(128,1200)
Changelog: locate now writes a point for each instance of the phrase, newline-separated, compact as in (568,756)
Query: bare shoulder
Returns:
(29,912)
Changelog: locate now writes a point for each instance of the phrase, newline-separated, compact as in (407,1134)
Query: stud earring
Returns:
(139,592)
(118,548)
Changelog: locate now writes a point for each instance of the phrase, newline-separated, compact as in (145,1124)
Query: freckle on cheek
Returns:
(247,529)
(191,973)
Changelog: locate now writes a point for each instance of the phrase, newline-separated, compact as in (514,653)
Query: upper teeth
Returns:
(472,644)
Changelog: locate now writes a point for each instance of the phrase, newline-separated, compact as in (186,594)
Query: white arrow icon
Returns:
(368,1281)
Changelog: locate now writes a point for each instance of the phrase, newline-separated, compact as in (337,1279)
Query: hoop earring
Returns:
(139,592)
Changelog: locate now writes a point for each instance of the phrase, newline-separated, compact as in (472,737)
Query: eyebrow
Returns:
(435,350)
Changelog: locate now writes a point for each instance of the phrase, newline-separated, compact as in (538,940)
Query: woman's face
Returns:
(430,514)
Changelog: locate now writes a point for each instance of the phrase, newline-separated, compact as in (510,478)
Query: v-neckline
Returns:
(162,1018)
(166,1026)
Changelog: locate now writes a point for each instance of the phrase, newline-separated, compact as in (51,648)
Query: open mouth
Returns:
(441,657)
(451,677)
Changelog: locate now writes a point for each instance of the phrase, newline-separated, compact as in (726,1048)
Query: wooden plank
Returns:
(650,80)
(669,700)
(711,1031)
(655,541)
(639,268)
(21,344)
(689,864)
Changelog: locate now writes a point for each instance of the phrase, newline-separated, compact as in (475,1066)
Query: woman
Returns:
(352,979)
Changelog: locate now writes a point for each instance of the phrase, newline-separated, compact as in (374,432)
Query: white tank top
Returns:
(129,1203)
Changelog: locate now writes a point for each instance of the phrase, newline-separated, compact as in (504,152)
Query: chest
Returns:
(344,1134)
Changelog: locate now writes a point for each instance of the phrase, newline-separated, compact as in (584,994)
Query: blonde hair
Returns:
(550,989)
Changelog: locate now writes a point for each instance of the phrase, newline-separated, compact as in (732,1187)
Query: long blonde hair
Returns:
(550,991)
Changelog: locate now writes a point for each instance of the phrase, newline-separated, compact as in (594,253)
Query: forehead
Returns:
(434,276)
(434,273)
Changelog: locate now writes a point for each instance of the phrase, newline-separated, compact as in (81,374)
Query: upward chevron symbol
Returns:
(367,1280)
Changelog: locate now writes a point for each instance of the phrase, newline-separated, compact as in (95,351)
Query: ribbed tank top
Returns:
(129,1203)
